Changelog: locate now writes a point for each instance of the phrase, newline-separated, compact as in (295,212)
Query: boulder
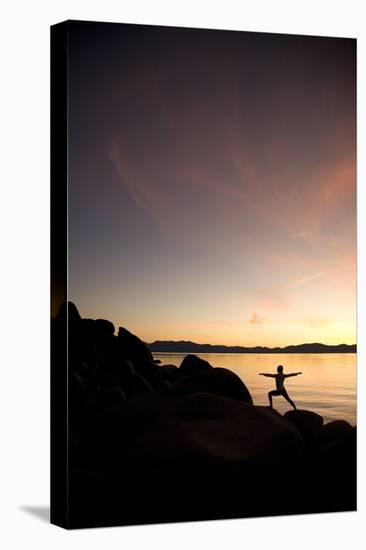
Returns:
(69,311)
(169,372)
(203,431)
(305,421)
(111,365)
(218,381)
(350,440)
(126,368)
(104,328)
(330,433)
(271,409)
(138,385)
(220,455)
(132,348)
(333,477)
(120,426)
(136,351)
(87,330)
(192,364)
(105,397)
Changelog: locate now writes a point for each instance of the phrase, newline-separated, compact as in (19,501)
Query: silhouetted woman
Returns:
(280,388)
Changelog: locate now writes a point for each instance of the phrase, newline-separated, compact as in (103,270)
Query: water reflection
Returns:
(327,385)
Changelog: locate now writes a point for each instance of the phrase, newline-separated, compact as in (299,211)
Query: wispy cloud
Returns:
(317,276)
(304,234)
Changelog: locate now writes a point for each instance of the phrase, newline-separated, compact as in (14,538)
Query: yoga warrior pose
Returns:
(280,388)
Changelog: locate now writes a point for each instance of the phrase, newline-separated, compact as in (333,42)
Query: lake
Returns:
(327,385)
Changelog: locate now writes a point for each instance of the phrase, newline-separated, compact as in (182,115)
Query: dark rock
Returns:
(104,328)
(218,381)
(80,390)
(86,330)
(329,433)
(305,421)
(271,409)
(169,373)
(192,364)
(127,368)
(199,436)
(205,430)
(329,456)
(222,451)
(105,395)
(137,415)
(130,383)
(350,441)
(139,385)
(133,348)
(68,310)
(112,366)
(333,477)
(351,437)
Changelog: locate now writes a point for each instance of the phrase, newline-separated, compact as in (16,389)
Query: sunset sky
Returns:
(212,184)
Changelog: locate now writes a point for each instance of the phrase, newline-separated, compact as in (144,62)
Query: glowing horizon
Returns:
(276,333)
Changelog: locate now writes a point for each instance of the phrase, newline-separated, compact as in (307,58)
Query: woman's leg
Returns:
(287,397)
(270,395)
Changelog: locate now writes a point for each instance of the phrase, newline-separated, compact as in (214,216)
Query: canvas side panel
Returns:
(59,225)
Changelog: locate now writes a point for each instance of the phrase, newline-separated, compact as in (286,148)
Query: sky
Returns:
(212,184)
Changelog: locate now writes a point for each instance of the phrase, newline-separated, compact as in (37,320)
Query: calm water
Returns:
(327,385)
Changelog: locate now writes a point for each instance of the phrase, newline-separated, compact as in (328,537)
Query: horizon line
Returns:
(245,346)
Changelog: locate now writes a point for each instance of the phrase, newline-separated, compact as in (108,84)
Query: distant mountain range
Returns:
(191,347)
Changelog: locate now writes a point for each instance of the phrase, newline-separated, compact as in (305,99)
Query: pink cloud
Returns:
(256,319)
(212,190)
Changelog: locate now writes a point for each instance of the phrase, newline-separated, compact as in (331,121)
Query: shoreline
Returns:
(255,352)
(187,346)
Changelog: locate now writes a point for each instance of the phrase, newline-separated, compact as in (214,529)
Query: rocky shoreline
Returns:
(152,443)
